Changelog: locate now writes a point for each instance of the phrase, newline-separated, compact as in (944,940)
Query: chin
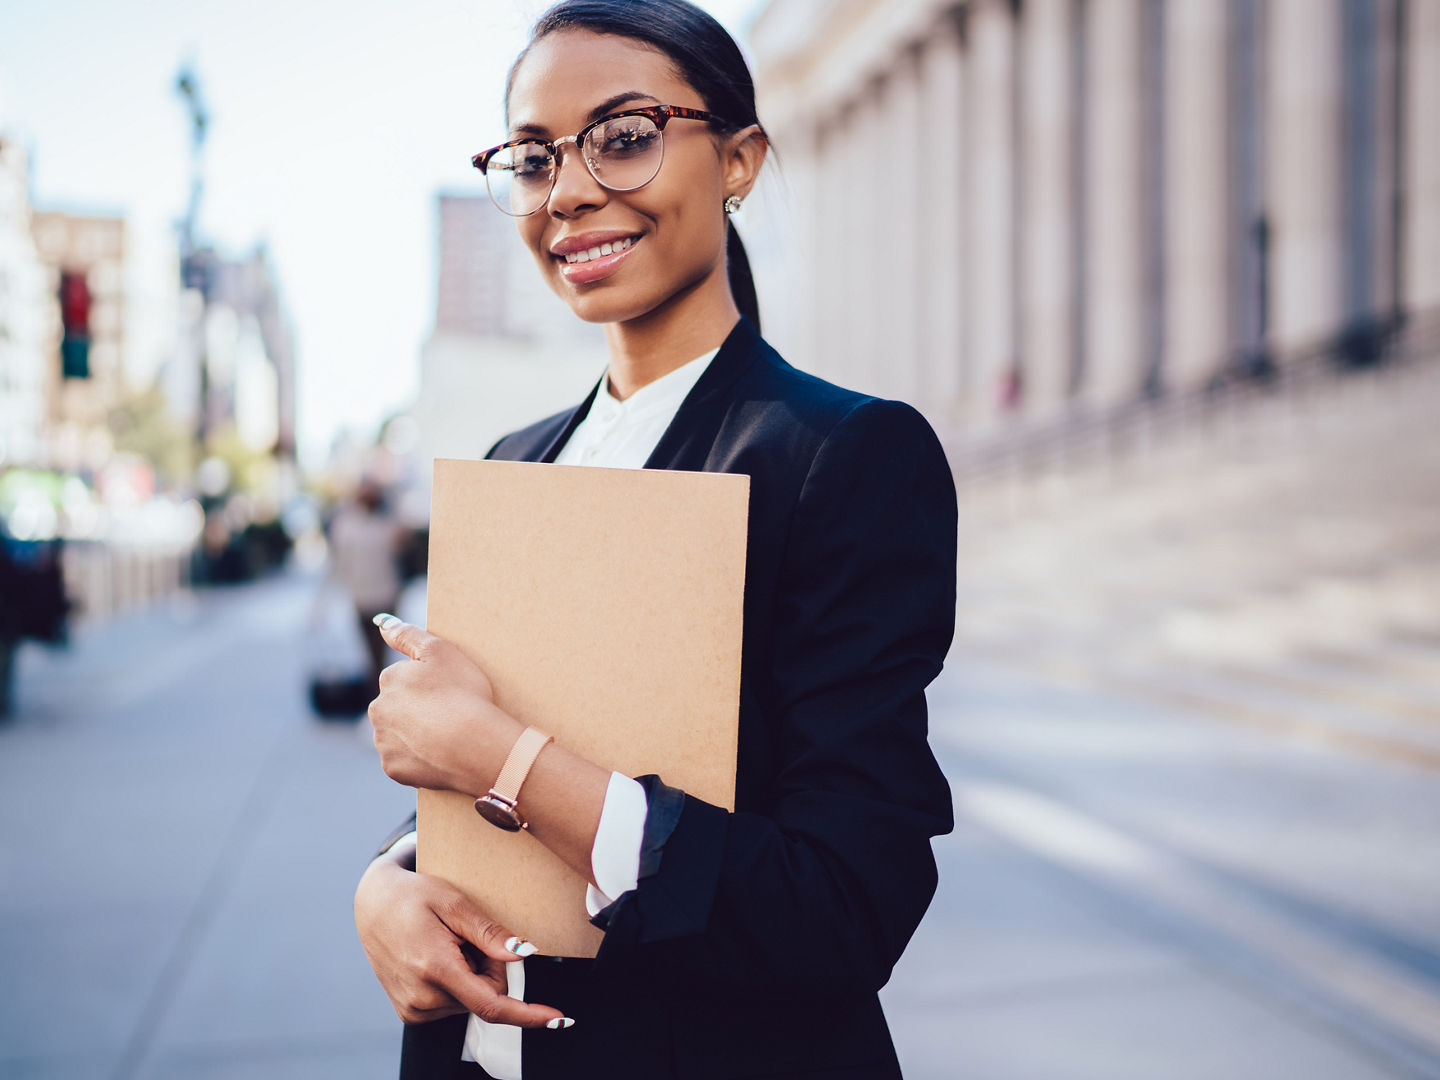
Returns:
(599,305)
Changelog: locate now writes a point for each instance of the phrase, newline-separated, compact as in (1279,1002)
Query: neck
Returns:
(691,324)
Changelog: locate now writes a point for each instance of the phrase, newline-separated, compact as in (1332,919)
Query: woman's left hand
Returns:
(436,721)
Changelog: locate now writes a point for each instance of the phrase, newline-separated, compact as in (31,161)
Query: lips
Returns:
(589,257)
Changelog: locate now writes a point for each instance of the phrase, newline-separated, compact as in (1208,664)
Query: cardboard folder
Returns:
(606,607)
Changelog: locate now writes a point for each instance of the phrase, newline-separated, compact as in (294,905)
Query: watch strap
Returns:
(519,762)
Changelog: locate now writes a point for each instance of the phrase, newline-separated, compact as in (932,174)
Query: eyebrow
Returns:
(605,107)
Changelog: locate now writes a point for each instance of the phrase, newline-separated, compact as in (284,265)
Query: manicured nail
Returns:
(560,1023)
(520,947)
(385,620)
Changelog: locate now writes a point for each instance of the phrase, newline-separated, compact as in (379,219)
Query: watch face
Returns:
(498,813)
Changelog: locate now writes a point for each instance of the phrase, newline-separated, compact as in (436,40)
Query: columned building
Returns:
(1007,211)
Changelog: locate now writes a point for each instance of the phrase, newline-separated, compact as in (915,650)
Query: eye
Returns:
(532,162)
(627,136)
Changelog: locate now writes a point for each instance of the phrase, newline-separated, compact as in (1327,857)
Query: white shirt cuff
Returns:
(496,1047)
(615,856)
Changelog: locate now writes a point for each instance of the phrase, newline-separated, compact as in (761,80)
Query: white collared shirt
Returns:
(616,435)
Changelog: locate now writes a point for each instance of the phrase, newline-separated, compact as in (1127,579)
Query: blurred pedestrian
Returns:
(365,544)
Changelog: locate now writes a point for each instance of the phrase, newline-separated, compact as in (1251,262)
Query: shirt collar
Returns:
(664,394)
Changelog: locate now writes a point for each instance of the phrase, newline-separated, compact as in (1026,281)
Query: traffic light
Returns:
(75,319)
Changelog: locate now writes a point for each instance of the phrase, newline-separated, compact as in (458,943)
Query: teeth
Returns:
(602,249)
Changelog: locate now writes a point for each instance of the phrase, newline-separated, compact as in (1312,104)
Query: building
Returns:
(234,367)
(505,350)
(84,259)
(1026,209)
(472,293)
(25,308)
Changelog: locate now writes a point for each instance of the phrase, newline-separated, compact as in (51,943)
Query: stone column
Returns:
(1047,184)
(901,184)
(825,280)
(1196,216)
(1305,172)
(1115,319)
(1388,44)
(992,206)
(792,317)
(1420,267)
(862,229)
(944,266)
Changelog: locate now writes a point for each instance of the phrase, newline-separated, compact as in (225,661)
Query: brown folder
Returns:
(606,607)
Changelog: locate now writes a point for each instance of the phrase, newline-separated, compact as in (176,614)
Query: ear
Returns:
(741,156)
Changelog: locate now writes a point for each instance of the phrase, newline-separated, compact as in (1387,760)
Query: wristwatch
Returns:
(501,806)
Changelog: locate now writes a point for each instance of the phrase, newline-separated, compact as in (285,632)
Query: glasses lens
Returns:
(519,178)
(624,153)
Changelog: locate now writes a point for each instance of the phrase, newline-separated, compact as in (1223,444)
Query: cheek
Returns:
(532,235)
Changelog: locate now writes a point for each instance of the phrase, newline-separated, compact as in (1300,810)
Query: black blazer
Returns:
(758,944)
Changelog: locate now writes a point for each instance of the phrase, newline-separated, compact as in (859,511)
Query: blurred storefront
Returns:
(1029,210)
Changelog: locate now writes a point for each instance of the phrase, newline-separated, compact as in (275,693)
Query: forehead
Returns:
(566,74)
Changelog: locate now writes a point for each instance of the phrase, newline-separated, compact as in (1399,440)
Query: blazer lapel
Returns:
(552,449)
(687,442)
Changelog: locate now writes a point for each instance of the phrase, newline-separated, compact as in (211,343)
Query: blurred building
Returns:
(1008,211)
(505,350)
(473,292)
(84,261)
(234,369)
(24,317)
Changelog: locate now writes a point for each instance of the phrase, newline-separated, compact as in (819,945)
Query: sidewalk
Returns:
(201,835)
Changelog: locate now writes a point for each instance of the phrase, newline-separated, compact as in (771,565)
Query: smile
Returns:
(600,250)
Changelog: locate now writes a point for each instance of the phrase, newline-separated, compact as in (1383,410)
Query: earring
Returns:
(732,203)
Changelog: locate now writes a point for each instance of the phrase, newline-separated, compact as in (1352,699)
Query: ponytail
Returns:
(742,283)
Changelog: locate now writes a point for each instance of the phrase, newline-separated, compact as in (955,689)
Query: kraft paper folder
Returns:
(606,607)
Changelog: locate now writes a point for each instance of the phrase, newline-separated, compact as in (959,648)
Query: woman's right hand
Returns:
(435,953)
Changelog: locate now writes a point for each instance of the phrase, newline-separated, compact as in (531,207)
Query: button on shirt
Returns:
(616,435)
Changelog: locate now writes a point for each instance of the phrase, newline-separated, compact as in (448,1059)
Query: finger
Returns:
(404,637)
(469,923)
(481,996)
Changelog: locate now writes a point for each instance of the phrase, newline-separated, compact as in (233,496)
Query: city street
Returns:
(1131,892)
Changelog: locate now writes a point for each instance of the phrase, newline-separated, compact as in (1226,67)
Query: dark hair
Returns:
(705,56)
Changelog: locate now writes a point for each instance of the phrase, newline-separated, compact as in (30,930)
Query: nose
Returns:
(575,190)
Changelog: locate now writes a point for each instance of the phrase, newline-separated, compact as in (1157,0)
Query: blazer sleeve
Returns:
(822,890)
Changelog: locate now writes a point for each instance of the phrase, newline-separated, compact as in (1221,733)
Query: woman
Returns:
(750,943)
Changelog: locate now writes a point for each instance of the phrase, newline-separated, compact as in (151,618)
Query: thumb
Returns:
(414,641)
(465,920)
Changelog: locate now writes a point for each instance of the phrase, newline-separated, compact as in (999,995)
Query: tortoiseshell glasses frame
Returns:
(520,184)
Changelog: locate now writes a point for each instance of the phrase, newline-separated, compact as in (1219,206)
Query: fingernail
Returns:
(560,1023)
(385,620)
(520,947)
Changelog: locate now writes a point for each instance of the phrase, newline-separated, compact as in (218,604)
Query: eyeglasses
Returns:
(622,151)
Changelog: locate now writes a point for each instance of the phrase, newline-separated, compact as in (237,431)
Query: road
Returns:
(1136,890)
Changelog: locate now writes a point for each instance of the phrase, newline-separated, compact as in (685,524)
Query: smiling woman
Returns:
(744,943)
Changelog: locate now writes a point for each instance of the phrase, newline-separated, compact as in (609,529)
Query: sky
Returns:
(334,123)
